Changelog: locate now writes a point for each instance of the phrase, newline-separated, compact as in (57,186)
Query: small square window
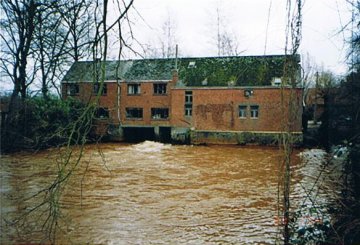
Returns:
(242,111)
(254,111)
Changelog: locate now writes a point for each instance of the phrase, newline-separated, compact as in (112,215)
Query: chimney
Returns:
(175,78)
(175,73)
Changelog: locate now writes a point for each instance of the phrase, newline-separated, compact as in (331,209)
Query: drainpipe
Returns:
(118,101)
(176,57)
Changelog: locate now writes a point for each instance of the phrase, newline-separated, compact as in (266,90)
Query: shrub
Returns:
(37,123)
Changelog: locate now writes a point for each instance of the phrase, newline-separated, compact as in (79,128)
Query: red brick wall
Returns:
(107,100)
(213,108)
(217,109)
(146,100)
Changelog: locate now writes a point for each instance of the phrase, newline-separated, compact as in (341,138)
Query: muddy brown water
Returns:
(153,193)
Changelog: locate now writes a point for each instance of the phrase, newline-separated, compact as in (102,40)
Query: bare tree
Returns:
(169,40)
(165,45)
(49,47)
(17,34)
(69,40)
(226,42)
(47,199)
(78,18)
(309,68)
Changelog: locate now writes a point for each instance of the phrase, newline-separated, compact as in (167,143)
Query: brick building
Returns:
(149,99)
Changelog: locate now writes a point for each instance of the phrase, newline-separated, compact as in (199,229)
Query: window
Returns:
(134,89)
(97,87)
(188,103)
(72,89)
(159,113)
(134,113)
(160,88)
(102,113)
(192,64)
(242,111)
(254,111)
(188,110)
(188,97)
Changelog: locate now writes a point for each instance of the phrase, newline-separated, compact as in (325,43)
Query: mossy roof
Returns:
(217,71)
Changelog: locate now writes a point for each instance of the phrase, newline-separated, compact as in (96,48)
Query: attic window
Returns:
(192,64)
(276,81)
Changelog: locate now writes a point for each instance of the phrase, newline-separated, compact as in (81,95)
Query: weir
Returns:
(138,134)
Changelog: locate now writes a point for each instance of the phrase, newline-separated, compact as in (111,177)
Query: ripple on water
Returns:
(163,194)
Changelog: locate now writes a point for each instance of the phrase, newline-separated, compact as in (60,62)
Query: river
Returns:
(154,193)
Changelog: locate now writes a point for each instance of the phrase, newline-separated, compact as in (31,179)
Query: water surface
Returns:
(153,193)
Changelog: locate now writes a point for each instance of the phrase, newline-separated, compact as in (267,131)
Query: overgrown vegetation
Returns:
(40,123)
(340,126)
(243,71)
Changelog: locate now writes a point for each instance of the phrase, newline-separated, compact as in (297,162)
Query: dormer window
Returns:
(192,64)
(276,81)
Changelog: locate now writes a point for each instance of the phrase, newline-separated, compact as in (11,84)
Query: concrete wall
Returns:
(241,138)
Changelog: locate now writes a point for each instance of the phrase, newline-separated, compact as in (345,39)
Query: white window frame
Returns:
(254,111)
(159,88)
(134,89)
(242,111)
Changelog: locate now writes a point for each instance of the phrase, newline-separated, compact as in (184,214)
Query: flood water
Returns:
(153,193)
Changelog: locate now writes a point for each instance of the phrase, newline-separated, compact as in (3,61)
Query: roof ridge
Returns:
(195,57)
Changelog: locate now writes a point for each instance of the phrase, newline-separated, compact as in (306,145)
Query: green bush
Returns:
(38,123)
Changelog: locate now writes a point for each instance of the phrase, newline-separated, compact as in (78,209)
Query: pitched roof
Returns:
(217,71)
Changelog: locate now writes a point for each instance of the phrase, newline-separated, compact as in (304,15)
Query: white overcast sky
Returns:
(247,19)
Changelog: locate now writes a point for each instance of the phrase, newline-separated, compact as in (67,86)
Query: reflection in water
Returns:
(153,193)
